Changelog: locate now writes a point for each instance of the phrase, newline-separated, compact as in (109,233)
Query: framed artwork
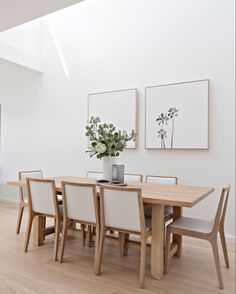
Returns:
(177,116)
(116,107)
(0,127)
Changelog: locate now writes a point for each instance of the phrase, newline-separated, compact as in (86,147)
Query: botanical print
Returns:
(162,121)
(176,116)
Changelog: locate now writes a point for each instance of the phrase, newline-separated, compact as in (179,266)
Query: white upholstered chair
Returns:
(133,178)
(94,175)
(42,202)
(121,209)
(80,205)
(165,180)
(23,193)
(202,229)
(127,177)
(162,180)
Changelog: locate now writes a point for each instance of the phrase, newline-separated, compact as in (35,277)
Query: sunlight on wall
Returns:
(59,51)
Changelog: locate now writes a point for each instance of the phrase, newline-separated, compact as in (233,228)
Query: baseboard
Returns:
(230,239)
(11,201)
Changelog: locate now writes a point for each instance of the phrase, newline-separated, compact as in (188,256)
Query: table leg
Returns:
(177,212)
(38,229)
(157,247)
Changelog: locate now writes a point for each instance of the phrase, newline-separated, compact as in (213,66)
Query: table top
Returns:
(176,195)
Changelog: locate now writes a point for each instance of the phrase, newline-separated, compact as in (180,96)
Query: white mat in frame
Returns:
(177,115)
(117,107)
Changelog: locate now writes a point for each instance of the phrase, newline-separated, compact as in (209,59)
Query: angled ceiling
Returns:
(15,12)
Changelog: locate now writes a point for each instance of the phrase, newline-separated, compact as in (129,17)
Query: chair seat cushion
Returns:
(59,196)
(192,224)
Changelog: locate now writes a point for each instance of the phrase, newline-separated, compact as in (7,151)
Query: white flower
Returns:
(92,149)
(100,148)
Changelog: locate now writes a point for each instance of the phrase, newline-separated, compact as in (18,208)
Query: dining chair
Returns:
(203,229)
(127,177)
(121,209)
(94,175)
(165,180)
(133,178)
(80,205)
(42,202)
(23,193)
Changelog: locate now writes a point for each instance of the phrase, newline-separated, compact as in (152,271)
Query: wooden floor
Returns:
(35,272)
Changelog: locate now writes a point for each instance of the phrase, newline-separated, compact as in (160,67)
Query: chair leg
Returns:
(167,251)
(19,219)
(123,237)
(125,245)
(89,235)
(122,243)
(94,230)
(100,251)
(28,231)
(97,246)
(142,261)
(56,240)
(73,224)
(63,239)
(44,225)
(224,247)
(217,262)
(83,234)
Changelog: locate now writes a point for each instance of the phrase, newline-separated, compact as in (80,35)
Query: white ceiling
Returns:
(16,12)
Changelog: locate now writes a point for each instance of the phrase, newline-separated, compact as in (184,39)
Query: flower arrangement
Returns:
(105,139)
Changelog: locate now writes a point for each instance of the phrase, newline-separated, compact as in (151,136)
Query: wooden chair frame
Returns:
(97,172)
(23,204)
(67,220)
(218,226)
(141,176)
(89,228)
(168,217)
(144,233)
(32,214)
(164,177)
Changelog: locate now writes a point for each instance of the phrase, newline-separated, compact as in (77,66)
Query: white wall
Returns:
(22,45)
(109,45)
(26,37)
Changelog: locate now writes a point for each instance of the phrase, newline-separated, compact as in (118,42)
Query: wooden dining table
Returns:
(156,195)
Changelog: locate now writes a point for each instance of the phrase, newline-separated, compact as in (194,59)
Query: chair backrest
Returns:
(80,202)
(42,196)
(221,210)
(133,178)
(122,208)
(35,174)
(162,180)
(127,177)
(94,175)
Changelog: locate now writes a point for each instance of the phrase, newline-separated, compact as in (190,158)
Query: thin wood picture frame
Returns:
(188,97)
(119,107)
